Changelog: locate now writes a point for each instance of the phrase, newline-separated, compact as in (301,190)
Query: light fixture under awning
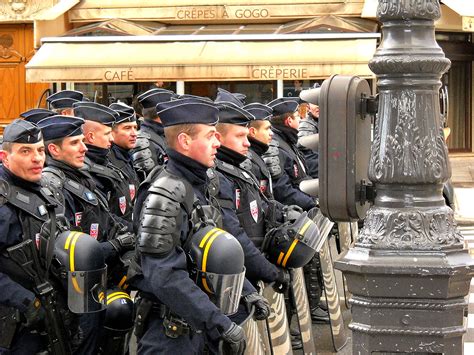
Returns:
(199,60)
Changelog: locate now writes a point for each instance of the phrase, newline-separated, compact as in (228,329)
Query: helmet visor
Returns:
(225,289)
(324,225)
(308,232)
(87,290)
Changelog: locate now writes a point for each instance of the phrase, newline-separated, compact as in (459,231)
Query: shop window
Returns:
(256,91)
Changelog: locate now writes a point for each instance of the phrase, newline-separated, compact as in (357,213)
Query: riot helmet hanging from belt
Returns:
(293,243)
(83,259)
(217,266)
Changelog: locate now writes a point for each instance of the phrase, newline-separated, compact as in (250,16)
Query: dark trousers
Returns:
(154,341)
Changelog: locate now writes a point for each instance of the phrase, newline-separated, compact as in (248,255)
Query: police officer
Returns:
(124,133)
(85,206)
(25,210)
(284,160)
(150,150)
(260,136)
(110,180)
(309,126)
(61,102)
(242,207)
(236,98)
(287,166)
(177,197)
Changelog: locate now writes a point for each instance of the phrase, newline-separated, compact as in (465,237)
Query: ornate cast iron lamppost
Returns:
(408,272)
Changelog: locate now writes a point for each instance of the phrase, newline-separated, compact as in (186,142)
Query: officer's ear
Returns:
(252,132)
(3,155)
(184,140)
(219,136)
(53,149)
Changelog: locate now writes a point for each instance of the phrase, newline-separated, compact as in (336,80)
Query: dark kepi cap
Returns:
(21,131)
(226,96)
(59,126)
(233,114)
(284,105)
(126,113)
(187,111)
(151,98)
(64,99)
(92,111)
(36,114)
(260,111)
(200,98)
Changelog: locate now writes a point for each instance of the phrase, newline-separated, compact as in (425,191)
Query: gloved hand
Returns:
(282,283)
(291,213)
(34,314)
(123,242)
(262,307)
(234,341)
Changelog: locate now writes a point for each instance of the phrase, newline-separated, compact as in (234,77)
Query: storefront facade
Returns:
(112,50)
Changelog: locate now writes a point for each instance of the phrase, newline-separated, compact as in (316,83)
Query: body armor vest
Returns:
(248,202)
(261,172)
(116,186)
(90,208)
(299,170)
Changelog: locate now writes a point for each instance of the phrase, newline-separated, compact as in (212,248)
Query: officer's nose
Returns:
(246,142)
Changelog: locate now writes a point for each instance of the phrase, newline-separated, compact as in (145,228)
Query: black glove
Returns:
(123,242)
(262,307)
(34,314)
(291,213)
(234,341)
(282,282)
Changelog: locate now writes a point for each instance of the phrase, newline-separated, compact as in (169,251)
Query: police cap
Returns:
(226,96)
(231,113)
(260,111)
(187,111)
(21,131)
(59,126)
(126,113)
(64,99)
(151,98)
(200,98)
(36,114)
(92,111)
(284,105)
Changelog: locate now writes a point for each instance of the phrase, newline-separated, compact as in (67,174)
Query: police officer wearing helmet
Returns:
(239,195)
(26,212)
(62,102)
(175,314)
(150,150)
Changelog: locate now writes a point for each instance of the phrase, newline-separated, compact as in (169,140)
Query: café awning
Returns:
(201,58)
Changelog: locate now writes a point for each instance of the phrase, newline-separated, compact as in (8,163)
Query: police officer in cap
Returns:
(150,150)
(182,318)
(284,160)
(85,207)
(124,133)
(26,212)
(110,180)
(236,98)
(287,166)
(239,195)
(260,136)
(62,102)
